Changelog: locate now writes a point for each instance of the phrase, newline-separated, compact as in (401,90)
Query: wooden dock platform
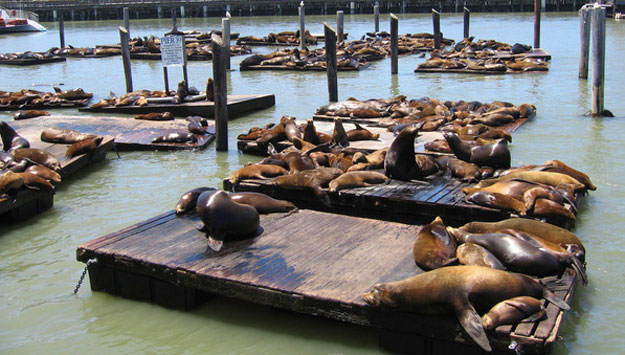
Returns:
(129,133)
(165,260)
(238,105)
(304,68)
(31,61)
(479,72)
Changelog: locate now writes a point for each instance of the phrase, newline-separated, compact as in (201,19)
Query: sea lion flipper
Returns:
(540,315)
(215,244)
(202,228)
(551,297)
(579,269)
(472,324)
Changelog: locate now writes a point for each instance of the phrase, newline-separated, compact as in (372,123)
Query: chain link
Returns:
(84,273)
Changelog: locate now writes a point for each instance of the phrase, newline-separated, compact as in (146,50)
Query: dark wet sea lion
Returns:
(155,116)
(357,179)
(197,128)
(10,139)
(35,182)
(177,137)
(339,135)
(497,200)
(463,290)
(473,254)
(44,172)
(399,162)
(87,146)
(38,156)
(224,219)
(210,90)
(22,115)
(181,93)
(514,310)
(10,181)
(257,171)
(494,155)
(63,135)
(310,133)
(188,200)
(427,164)
(262,203)
(434,247)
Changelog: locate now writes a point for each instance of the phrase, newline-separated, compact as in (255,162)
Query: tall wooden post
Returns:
(225,32)
(61,29)
(339,26)
(598,59)
(166,79)
(124,38)
(221,92)
(536,23)
(376,16)
(394,43)
(584,49)
(436,19)
(302,26)
(330,37)
(126,13)
(467,20)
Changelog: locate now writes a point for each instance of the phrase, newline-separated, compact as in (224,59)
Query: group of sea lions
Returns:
(229,216)
(482,56)
(284,37)
(196,49)
(480,292)
(28,98)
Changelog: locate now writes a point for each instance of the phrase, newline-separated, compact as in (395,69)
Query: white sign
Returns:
(172,50)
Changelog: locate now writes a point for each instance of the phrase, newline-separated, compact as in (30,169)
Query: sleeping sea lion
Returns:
(464,290)
(22,115)
(434,247)
(35,182)
(541,177)
(10,181)
(155,116)
(514,310)
(63,135)
(357,179)
(87,146)
(495,155)
(461,169)
(188,200)
(38,156)
(257,171)
(262,203)
(473,254)
(361,134)
(314,179)
(177,137)
(399,162)
(225,219)
(44,172)
(10,139)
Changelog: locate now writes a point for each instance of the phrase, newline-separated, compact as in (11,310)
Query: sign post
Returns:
(173,54)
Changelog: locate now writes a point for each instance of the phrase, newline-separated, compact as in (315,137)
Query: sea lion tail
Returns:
(472,324)
(551,297)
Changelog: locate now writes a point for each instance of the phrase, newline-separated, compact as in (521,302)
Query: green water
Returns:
(38,270)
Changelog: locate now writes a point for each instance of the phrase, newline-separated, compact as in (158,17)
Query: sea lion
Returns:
(276,133)
(514,310)
(497,200)
(75,94)
(225,219)
(87,146)
(465,290)
(257,171)
(461,169)
(188,200)
(434,247)
(22,115)
(399,162)
(541,177)
(291,131)
(310,133)
(361,134)
(177,137)
(44,172)
(473,254)
(357,179)
(35,182)
(314,179)
(262,203)
(210,90)
(155,116)
(63,135)
(181,93)
(495,155)
(339,135)
(10,181)
(38,156)
(438,145)
(10,139)
(427,164)
(197,128)
(576,174)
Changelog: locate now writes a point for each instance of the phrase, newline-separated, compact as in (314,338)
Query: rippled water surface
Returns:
(38,270)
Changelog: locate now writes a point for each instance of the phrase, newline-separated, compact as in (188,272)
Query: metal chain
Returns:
(84,273)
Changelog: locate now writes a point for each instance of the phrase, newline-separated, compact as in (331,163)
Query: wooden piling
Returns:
(330,47)
(467,18)
(598,59)
(537,7)
(225,31)
(584,49)
(302,26)
(221,92)
(339,26)
(124,38)
(166,79)
(61,30)
(126,15)
(436,19)
(394,43)
(376,15)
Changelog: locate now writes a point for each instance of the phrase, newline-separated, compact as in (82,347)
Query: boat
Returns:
(19,21)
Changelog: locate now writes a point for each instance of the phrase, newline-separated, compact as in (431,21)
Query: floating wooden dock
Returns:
(129,133)
(238,105)
(157,56)
(480,72)
(307,262)
(31,61)
(411,202)
(304,68)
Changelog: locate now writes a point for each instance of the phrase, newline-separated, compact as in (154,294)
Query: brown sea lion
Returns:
(35,182)
(188,200)
(461,169)
(526,191)
(22,115)
(438,145)
(314,179)
(400,163)
(155,116)
(197,128)
(339,136)
(225,219)
(463,290)
(276,133)
(38,156)
(361,134)
(44,172)
(541,177)
(427,164)
(494,155)
(181,93)
(546,231)
(341,161)
(177,137)
(576,174)
(257,171)
(473,254)
(434,247)
(10,181)
(310,132)
(10,139)
(262,203)
(498,200)
(357,179)
(62,135)
(374,160)
(76,94)
(87,146)
(291,130)
(514,310)
(210,90)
